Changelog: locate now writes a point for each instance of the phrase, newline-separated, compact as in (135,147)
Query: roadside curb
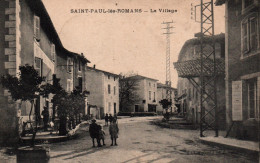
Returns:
(72,134)
(172,126)
(213,141)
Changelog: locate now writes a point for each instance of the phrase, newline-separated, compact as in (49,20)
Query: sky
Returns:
(128,42)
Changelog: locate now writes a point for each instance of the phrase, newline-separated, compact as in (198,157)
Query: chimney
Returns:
(94,66)
(82,54)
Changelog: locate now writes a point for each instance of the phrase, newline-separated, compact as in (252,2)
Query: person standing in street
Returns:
(113,131)
(102,135)
(106,120)
(45,114)
(94,132)
(110,118)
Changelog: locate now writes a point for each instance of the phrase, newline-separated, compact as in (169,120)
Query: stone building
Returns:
(242,67)
(188,66)
(104,91)
(27,36)
(146,91)
(162,94)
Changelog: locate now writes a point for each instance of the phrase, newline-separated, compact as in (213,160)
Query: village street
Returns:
(140,141)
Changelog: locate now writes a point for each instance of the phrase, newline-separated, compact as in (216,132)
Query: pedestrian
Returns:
(110,118)
(45,114)
(94,132)
(106,119)
(102,135)
(113,131)
(115,116)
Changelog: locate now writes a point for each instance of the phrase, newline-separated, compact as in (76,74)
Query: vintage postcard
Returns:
(129,81)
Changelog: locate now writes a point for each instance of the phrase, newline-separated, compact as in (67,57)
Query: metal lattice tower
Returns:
(168,58)
(202,72)
(207,84)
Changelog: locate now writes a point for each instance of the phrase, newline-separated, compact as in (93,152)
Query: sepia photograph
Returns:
(129,81)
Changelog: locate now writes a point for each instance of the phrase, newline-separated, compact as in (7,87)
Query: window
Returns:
(108,76)
(80,84)
(114,78)
(150,95)
(108,88)
(249,40)
(114,90)
(109,107)
(79,65)
(252,97)
(53,53)
(36,28)
(149,84)
(154,85)
(69,85)
(38,65)
(154,96)
(69,65)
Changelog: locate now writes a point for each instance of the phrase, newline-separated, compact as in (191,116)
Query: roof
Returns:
(39,9)
(220,2)
(191,68)
(105,72)
(196,41)
(160,85)
(139,77)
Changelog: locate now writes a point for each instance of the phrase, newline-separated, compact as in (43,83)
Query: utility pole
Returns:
(208,72)
(168,58)
(205,69)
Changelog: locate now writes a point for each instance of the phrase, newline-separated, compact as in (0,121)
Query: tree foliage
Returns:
(165,103)
(127,91)
(26,86)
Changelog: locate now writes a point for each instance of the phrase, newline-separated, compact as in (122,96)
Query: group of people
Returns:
(96,131)
(109,118)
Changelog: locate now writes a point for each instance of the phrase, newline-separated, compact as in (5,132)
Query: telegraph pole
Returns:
(168,58)
(207,85)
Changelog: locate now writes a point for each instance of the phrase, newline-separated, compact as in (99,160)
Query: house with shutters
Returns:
(188,68)
(162,91)
(146,91)
(104,92)
(242,71)
(28,36)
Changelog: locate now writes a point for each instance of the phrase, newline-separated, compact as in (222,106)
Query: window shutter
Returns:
(37,27)
(53,53)
(69,65)
(245,41)
(253,33)
(38,66)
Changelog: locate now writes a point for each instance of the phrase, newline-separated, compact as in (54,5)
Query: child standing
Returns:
(102,135)
(113,130)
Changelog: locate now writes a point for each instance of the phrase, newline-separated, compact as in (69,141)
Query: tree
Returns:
(166,104)
(68,106)
(26,87)
(127,92)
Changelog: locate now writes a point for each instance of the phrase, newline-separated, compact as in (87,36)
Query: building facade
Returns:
(146,91)
(104,91)
(188,95)
(242,67)
(28,37)
(162,94)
